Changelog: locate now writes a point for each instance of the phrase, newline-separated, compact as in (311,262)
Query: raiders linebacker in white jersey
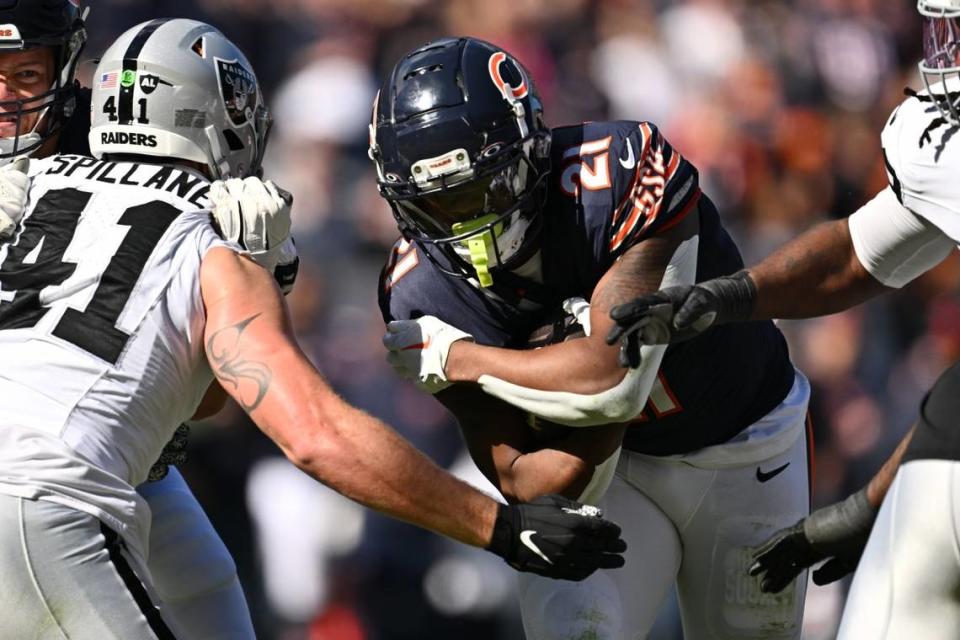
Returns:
(907,579)
(120,303)
(40,45)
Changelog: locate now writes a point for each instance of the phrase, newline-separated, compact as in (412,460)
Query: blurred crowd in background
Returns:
(778,103)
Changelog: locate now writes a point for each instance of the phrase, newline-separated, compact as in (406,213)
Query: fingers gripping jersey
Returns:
(922,156)
(101,329)
(613,185)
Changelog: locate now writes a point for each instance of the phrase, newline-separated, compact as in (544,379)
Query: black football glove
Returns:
(557,538)
(174,453)
(679,313)
(837,533)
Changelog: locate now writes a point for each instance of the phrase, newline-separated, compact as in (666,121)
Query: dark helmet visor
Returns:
(496,192)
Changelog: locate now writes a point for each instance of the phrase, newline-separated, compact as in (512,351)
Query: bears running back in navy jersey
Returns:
(614,184)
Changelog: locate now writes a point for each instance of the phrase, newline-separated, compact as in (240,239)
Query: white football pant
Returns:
(193,573)
(691,520)
(907,584)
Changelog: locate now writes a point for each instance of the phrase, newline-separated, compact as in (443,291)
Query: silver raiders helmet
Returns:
(176,88)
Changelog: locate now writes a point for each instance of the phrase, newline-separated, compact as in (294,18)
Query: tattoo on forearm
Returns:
(248,377)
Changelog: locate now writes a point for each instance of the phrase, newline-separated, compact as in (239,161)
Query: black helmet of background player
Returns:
(462,153)
(29,24)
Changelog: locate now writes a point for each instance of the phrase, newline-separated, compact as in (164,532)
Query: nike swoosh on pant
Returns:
(764,476)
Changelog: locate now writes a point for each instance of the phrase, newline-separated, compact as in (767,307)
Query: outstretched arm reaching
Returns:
(253,354)
(832,267)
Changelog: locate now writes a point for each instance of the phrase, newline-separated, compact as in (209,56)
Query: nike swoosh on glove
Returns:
(557,538)
(417,350)
(14,187)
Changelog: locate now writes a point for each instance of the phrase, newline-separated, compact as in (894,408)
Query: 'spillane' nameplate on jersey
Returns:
(186,185)
(101,329)
(613,184)
(922,157)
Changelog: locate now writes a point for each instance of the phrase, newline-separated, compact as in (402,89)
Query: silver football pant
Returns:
(64,575)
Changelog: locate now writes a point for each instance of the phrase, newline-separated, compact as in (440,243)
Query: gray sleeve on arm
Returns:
(893,244)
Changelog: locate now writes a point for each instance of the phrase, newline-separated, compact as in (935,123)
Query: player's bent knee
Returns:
(556,610)
(187,557)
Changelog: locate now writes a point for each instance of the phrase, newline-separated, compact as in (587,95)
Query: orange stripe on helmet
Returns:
(510,93)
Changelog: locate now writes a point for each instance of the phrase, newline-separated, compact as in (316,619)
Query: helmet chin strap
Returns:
(8,145)
(26,143)
(491,247)
(479,246)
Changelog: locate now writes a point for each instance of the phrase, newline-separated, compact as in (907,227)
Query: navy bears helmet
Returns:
(462,153)
(26,24)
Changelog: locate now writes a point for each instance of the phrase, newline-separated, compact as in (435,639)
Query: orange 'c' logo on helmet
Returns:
(510,93)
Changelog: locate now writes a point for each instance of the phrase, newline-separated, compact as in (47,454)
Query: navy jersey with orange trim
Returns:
(613,184)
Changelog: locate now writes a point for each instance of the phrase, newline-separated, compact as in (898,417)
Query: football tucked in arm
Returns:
(559,326)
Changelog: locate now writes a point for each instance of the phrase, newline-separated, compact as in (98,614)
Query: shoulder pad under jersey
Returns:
(626,177)
(923,162)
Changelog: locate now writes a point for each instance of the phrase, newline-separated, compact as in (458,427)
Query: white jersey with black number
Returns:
(913,224)
(922,155)
(101,331)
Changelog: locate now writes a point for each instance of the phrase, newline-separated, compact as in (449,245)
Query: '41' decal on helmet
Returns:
(238,88)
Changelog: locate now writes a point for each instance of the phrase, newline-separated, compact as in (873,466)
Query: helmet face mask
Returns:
(940,67)
(462,154)
(494,185)
(179,89)
(31,24)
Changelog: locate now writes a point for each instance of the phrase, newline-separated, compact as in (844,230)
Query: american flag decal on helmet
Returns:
(108,80)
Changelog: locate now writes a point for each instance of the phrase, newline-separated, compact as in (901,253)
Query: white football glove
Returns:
(251,212)
(255,214)
(14,186)
(417,350)
(580,310)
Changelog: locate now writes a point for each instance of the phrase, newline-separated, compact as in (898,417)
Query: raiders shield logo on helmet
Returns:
(238,88)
